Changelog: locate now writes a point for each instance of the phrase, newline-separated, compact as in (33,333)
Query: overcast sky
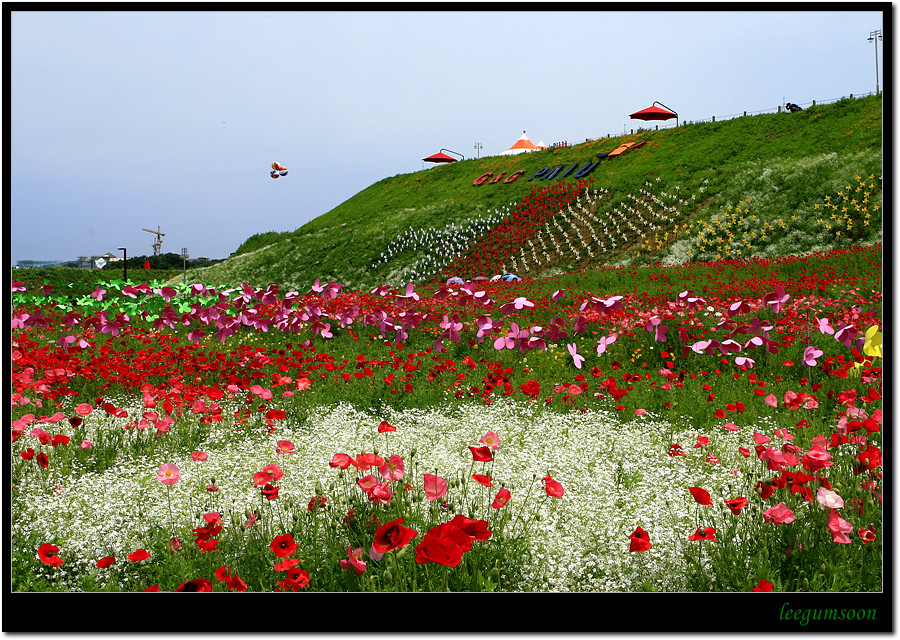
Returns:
(125,120)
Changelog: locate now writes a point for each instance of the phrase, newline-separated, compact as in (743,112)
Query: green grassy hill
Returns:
(765,185)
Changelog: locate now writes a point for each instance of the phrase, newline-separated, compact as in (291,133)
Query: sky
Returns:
(124,120)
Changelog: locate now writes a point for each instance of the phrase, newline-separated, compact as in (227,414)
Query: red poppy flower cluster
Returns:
(205,536)
(295,579)
(447,543)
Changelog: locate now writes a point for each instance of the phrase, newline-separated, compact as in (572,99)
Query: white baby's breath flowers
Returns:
(615,473)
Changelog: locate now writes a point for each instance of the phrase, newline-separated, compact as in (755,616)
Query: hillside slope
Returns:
(766,185)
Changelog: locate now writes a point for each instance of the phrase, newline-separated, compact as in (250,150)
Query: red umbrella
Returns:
(655,113)
(439,157)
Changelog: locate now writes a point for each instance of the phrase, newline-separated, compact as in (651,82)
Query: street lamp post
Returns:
(875,36)
(124,262)
(184,257)
(478,148)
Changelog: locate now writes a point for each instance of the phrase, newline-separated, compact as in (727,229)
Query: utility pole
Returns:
(478,148)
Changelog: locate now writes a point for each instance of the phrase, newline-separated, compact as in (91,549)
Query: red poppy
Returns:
(105,562)
(736,504)
(296,580)
(472,527)
(501,498)
(483,480)
(481,454)
(366,461)
(700,495)
(871,457)
(531,388)
(207,545)
(47,554)
(340,461)
(270,492)
(392,535)
(709,533)
(552,487)
(137,556)
(640,540)
(443,544)
(287,563)
(867,535)
(385,426)
(283,546)
(675,450)
(198,585)
(764,586)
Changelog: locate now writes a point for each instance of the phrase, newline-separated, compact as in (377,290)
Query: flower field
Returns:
(703,427)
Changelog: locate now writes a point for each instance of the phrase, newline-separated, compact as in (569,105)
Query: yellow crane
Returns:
(158,243)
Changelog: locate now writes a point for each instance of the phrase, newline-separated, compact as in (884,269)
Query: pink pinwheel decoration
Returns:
(516,305)
(573,351)
(825,326)
(776,299)
(580,325)
(605,341)
(809,356)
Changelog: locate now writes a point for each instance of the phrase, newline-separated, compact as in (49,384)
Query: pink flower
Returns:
(779,514)
(198,456)
(86,444)
(284,446)
(168,474)
(435,486)
(839,528)
(84,409)
(393,468)
(354,561)
(829,499)
(771,400)
(490,439)
(816,458)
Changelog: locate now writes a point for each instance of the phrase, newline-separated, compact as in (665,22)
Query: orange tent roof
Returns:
(521,145)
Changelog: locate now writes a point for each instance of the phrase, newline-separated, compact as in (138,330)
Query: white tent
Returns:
(540,145)
(522,145)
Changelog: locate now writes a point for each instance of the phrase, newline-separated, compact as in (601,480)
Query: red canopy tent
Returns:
(439,157)
(655,113)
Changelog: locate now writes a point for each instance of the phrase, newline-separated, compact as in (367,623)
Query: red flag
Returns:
(146,263)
